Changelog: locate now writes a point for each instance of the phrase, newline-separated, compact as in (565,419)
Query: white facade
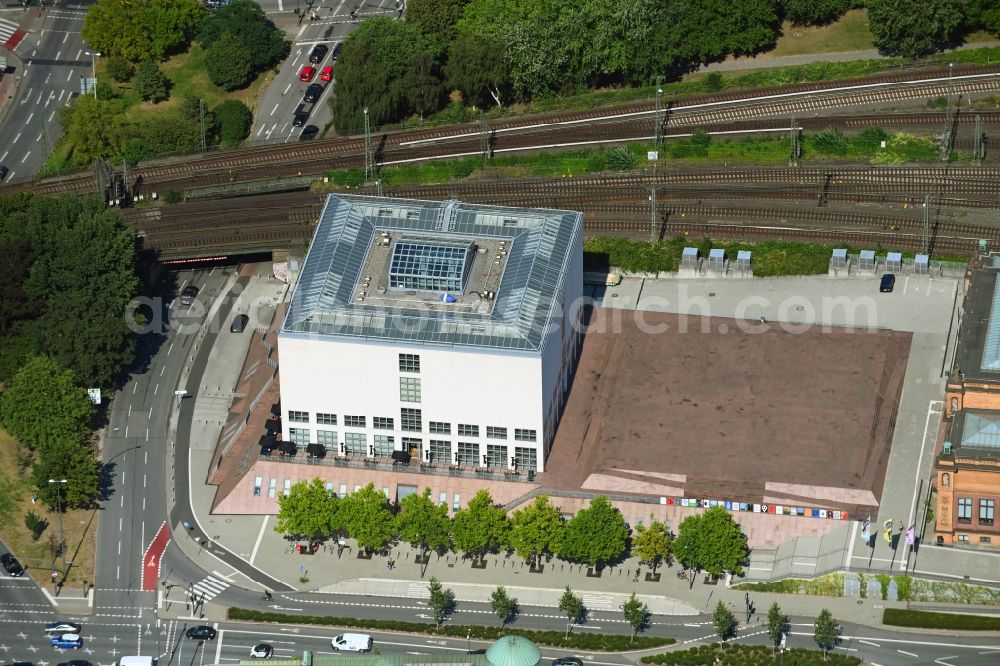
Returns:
(491,401)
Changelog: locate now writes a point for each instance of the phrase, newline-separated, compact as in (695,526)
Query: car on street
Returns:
(567,661)
(309,132)
(67,641)
(3,173)
(307,74)
(326,74)
(239,324)
(201,633)
(62,627)
(887,284)
(261,651)
(189,294)
(318,53)
(11,565)
(312,93)
(335,52)
(300,118)
(74,662)
(352,643)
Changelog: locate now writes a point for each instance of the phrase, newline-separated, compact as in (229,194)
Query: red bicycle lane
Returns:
(153,557)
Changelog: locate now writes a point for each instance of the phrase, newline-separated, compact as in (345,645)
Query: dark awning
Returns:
(267,440)
(273,425)
(287,447)
(276,409)
(316,450)
(401,456)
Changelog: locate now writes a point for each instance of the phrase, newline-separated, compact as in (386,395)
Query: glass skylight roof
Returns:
(427,265)
(542,244)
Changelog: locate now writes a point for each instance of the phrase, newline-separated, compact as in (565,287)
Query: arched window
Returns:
(954,405)
(945,479)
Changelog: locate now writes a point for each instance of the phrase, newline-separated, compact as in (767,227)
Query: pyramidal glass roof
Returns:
(981,431)
(542,245)
(991,346)
(429,265)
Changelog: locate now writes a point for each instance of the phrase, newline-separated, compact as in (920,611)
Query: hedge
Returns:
(731,654)
(899,617)
(588,641)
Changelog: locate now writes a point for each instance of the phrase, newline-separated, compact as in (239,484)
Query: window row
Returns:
(411,419)
(986,510)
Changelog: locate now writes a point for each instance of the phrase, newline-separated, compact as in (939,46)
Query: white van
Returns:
(352,642)
(136,661)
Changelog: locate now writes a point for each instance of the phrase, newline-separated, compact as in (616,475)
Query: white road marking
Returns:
(65,37)
(30,116)
(287,88)
(25,158)
(4,156)
(260,536)
(908,654)
(70,75)
(274,109)
(51,115)
(904,563)
(16,138)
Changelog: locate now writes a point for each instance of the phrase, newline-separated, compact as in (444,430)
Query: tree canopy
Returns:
(504,606)
(44,404)
(595,535)
(480,527)
(537,529)
(777,624)
(366,516)
(422,523)
(712,541)
(143,30)
(826,632)
(572,606)
(724,621)
(234,120)
(436,18)
(652,544)
(308,510)
(636,614)
(258,39)
(913,28)
(150,83)
(228,64)
(814,12)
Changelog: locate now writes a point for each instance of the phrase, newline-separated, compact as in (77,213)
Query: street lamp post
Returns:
(62,535)
(93,67)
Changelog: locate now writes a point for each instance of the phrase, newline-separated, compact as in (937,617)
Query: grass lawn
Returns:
(850,33)
(36,556)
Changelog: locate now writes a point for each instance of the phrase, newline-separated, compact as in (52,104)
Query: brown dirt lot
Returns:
(795,419)
(36,556)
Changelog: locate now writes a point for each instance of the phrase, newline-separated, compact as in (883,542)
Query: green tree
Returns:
(35,524)
(504,606)
(827,632)
(228,63)
(712,541)
(96,127)
(777,624)
(120,69)
(235,121)
(441,601)
(984,14)
(724,622)
(262,42)
(572,606)
(636,614)
(366,516)
(16,258)
(596,535)
(148,30)
(436,19)
(70,460)
(814,12)
(479,68)
(151,84)
(652,544)
(480,527)
(376,70)
(913,28)
(44,404)
(308,510)
(423,524)
(537,530)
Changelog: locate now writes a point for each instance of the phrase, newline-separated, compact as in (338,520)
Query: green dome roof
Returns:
(513,651)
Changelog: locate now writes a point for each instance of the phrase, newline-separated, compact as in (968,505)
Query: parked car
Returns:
(335,52)
(189,294)
(309,132)
(352,642)
(318,53)
(261,651)
(312,93)
(67,641)
(3,173)
(62,627)
(567,661)
(887,284)
(75,662)
(300,118)
(11,565)
(326,74)
(239,323)
(201,633)
(307,74)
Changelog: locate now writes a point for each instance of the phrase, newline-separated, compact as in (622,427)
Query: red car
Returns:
(307,74)
(326,74)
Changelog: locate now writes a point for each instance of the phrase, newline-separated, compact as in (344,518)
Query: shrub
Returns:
(830,141)
(228,63)
(870,139)
(758,655)
(120,69)
(235,120)
(35,524)
(173,197)
(603,642)
(714,82)
(901,617)
(151,84)
(619,158)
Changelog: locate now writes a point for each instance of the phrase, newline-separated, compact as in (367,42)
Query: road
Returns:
(54,60)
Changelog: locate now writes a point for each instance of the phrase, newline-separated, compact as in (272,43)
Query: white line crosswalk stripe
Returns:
(6,30)
(597,602)
(417,590)
(209,588)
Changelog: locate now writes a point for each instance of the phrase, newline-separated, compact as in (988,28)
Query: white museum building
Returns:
(442,331)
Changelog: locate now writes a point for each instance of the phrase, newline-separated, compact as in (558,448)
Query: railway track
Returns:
(612,125)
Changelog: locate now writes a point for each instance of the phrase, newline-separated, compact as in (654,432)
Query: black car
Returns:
(888,282)
(567,661)
(300,118)
(11,565)
(335,52)
(3,173)
(309,132)
(75,662)
(201,633)
(318,53)
(239,323)
(312,93)
(188,295)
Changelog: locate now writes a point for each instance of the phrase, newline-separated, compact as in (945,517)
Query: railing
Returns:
(422,468)
(250,187)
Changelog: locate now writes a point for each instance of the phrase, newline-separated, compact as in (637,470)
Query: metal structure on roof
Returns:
(839,258)
(894,262)
(991,345)
(429,265)
(538,246)
(717,259)
(921,264)
(981,431)
(689,257)
(866,260)
(744,260)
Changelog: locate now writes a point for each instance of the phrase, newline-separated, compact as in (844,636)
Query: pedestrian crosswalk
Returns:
(597,601)
(209,588)
(417,590)
(7,28)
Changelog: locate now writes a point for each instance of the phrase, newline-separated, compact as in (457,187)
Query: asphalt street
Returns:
(54,59)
